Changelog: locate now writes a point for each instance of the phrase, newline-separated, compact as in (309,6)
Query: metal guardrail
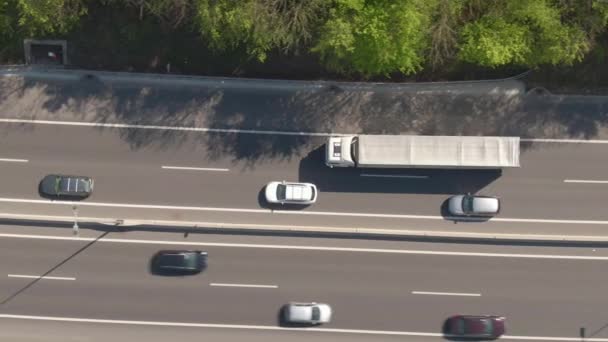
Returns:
(359,232)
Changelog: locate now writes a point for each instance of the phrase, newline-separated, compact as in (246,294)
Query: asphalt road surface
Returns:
(385,289)
(147,182)
(370,291)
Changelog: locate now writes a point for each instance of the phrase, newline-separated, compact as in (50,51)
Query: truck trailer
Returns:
(422,151)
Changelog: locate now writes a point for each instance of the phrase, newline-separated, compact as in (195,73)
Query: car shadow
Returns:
(312,169)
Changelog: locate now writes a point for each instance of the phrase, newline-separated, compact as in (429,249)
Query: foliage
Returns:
(352,37)
(523,32)
(43,17)
(444,32)
(258,26)
(376,37)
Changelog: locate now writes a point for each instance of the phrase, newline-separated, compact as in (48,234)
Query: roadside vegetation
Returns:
(346,39)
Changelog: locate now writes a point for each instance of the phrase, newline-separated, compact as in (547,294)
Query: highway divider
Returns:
(353,232)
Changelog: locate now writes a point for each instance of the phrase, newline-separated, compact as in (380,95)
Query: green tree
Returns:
(376,37)
(258,26)
(523,32)
(444,32)
(43,17)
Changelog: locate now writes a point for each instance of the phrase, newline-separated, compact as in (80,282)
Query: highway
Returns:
(371,291)
(216,144)
(535,198)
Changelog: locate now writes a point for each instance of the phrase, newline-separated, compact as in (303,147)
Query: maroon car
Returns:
(478,327)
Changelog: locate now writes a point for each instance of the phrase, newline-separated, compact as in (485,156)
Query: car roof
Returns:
(300,311)
(298,191)
(485,204)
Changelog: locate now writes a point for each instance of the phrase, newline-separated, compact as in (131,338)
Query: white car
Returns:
(288,192)
(307,313)
(473,205)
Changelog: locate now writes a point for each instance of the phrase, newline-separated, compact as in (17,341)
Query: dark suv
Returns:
(66,186)
(178,262)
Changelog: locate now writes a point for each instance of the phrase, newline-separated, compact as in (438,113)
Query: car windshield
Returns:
(281,189)
(316,313)
(467,204)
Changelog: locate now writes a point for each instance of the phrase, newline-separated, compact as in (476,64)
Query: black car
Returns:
(188,262)
(475,327)
(66,186)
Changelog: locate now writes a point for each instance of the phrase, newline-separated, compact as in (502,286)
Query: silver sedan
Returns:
(473,205)
(307,313)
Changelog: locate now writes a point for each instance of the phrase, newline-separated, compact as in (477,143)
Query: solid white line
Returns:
(138,206)
(193,168)
(310,248)
(585,181)
(39,277)
(13,160)
(166,128)
(571,141)
(225,326)
(288,212)
(270,327)
(245,285)
(447,294)
(392,176)
(243,131)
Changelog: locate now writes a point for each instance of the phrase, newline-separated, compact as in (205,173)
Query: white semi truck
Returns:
(422,151)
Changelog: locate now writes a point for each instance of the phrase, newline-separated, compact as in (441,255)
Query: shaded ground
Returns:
(475,108)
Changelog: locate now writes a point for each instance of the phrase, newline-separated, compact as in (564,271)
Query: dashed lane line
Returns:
(446,294)
(189,168)
(245,285)
(39,277)
(12,160)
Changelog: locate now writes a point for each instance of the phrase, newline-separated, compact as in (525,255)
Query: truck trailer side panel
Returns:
(436,151)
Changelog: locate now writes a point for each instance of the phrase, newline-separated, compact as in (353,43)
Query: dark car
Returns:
(66,186)
(188,262)
(475,327)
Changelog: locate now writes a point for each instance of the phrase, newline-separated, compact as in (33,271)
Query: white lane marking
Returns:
(243,131)
(245,285)
(270,327)
(131,205)
(193,168)
(39,277)
(310,248)
(571,141)
(11,160)
(287,212)
(585,181)
(392,176)
(447,294)
(166,128)
(210,325)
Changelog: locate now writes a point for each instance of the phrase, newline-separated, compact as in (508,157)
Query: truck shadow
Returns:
(312,169)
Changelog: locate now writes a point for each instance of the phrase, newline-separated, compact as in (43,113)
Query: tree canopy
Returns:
(376,37)
(353,37)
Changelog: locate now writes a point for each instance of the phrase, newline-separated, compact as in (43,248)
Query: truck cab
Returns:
(338,152)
